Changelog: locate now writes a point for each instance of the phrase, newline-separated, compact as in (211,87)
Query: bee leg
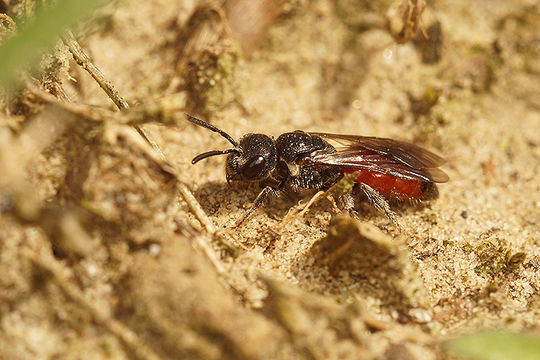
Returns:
(299,211)
(379,202)
(332,201)
(259,200)
(303,208)
(347,201)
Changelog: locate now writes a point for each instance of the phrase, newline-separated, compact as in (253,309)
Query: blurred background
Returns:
(112,245)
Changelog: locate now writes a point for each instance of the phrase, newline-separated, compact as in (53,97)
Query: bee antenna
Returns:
(213,128)
(207,154)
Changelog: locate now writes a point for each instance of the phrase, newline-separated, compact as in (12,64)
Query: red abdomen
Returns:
(394,187)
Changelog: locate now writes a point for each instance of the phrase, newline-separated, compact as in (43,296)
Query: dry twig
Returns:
(149,113)
(84,61)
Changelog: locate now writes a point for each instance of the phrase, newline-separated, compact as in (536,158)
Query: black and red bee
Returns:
(381,168)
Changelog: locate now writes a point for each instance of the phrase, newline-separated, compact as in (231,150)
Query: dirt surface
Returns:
(106,259)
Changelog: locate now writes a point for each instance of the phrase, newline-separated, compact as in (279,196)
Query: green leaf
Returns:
(496,346)
(39,34)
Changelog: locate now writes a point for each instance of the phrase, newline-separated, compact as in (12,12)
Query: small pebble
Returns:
(154,249)
(420,315)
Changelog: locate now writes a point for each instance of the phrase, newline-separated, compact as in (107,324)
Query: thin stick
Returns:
(87,112)
(205,221)
(84,61)
(139,116)
(203,244)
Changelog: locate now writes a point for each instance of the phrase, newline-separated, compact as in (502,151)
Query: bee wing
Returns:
(383,155)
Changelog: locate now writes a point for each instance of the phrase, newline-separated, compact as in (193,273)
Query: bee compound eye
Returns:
(254,167)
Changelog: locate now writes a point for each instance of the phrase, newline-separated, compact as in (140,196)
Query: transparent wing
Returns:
(382,155)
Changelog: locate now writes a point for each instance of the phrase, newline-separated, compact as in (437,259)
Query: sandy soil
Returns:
(113,267)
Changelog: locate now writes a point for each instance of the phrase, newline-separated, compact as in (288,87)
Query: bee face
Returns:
(255,159)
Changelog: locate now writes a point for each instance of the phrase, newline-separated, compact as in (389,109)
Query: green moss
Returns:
(496,345)
(344,186)
(430,218)
(477,49)
(210,78)
(220,80)
(496,259)
(514,260)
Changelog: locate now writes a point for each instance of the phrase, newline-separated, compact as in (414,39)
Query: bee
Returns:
(382,168)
